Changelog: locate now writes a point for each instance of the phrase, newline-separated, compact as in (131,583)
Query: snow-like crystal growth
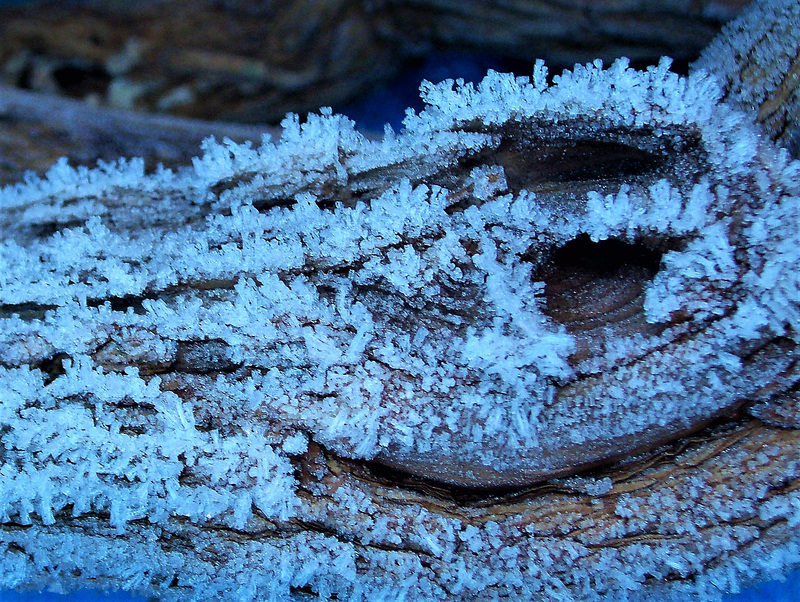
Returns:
(755,60)
(385,300)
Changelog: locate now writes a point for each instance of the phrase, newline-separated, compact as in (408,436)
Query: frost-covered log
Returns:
(541,344)
(255,60)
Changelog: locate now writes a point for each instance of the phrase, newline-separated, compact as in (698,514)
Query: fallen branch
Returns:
(513,351)
(39,129)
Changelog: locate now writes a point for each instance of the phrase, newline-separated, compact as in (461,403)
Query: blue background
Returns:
(774,591)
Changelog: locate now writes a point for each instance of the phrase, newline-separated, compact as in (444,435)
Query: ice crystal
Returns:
(755,60)
(327,315)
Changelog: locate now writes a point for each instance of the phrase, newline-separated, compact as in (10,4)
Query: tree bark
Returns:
(758,63)
(566,32)
(541,344)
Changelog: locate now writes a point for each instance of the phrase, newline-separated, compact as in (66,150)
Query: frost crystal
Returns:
(381,300)
(755,60)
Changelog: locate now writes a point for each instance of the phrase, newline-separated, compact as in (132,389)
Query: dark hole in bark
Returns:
(564,161)
(605,257)
(597,290)
(48,228)
(264,205)
(592,284)
(53,367)
(25,311)
(80,81)
(306,592)
(121,304)
(132,431)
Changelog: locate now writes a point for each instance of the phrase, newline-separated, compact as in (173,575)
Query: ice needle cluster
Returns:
(179,347)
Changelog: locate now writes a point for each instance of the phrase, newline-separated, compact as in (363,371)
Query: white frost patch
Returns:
(336,317)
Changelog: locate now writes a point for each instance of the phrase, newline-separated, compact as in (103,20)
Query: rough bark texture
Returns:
(142,416)
(244,63)
(673,501)
(254,61)
(566,32)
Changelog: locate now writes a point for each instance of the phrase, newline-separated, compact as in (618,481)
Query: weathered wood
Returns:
(647,521)
(757,59)
(511,353)
(38,129)
(565,32)
(255,61)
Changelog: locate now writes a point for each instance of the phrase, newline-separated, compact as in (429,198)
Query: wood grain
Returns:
(38,129)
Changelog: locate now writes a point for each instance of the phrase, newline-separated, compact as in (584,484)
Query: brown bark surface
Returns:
(565,32)
(645,504)
(757,60)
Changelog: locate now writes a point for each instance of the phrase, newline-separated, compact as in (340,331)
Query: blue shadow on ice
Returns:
(773,591)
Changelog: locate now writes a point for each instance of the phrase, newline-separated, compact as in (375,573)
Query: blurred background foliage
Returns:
(255,60)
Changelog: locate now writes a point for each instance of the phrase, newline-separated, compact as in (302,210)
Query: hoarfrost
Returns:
(399,318)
